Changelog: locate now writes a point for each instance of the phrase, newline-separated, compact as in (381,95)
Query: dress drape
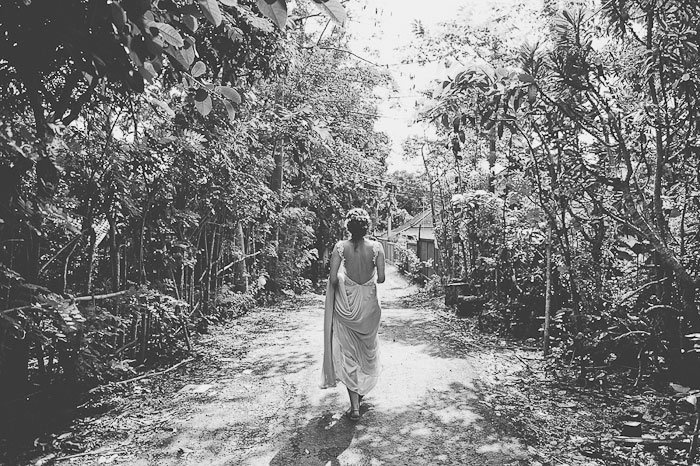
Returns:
(351,351)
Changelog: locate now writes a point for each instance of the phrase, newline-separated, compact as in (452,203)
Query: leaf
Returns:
(235,34)
(531,93)
(211,11)
(179,61)
(169,33)
(163,106)
(230,110)
(188,53)
(154,45)
(323,132)
(202,102)
(147,71)
(199,69)
(526,78)
(276,10)
(229,93)
(679,388)
(191,22)
(229,2)
(334,10)
(261,23)
(118,15)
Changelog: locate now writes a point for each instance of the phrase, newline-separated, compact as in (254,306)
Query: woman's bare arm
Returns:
(380,265)
(335,265)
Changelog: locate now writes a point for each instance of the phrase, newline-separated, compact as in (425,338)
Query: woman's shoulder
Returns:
(377,245)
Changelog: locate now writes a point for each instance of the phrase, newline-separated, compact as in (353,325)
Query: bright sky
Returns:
(382,32)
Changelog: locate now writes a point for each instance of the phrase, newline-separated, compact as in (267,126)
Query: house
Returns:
(419,234)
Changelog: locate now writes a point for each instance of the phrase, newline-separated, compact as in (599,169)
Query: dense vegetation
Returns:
(164,165)
(565,172)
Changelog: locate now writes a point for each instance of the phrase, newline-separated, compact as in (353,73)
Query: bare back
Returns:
(361,259)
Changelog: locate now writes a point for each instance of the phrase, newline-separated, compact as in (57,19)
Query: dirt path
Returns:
(253,399)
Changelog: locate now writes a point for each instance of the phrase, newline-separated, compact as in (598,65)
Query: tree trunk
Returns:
(548,292)
(92,238)
(438,258)
(276,186)
(113,252)
(240,275)
(66,265)
(142,238)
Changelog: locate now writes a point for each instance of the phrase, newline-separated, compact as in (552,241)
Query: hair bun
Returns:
(358,214)
(357,222)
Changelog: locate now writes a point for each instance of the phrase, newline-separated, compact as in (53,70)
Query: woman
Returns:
(353,312)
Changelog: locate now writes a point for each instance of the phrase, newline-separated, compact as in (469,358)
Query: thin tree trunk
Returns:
(240,277)
(90,255)
(142,236)
(66,265)
(114,251)
(548,292)
(276,186)
(438,258)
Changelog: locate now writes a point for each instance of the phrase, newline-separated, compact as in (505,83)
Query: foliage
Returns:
(407,262)
(433,286)
(185,159)
(577,134)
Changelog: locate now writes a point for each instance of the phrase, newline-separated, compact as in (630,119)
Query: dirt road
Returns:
(253,399)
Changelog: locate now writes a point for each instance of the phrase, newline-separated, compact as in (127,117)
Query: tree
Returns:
(591,118)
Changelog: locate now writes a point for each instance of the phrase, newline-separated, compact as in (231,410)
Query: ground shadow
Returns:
(402,326)
(451,426)
(320,442)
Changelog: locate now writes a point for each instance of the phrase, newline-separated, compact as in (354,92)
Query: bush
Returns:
(230,303)
(407,262)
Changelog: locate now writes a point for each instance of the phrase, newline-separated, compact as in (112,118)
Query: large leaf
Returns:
(147,71)
(178,61)
(276,10)
(211,11)
(188,52)
(261,23)
(229,2)
(202,102)
(198,69)
(169,33)
(334,10)
(229,93)
(230,110)
(191,22)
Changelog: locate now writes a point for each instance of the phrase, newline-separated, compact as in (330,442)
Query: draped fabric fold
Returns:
(351,322)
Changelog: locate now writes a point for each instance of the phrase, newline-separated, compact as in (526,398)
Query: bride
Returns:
(353,312)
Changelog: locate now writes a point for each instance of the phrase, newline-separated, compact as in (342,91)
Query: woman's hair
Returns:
(357,222)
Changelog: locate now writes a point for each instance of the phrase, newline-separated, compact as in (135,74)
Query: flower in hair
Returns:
(358,215)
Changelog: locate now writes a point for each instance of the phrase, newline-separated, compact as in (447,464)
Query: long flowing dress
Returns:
(351,351)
